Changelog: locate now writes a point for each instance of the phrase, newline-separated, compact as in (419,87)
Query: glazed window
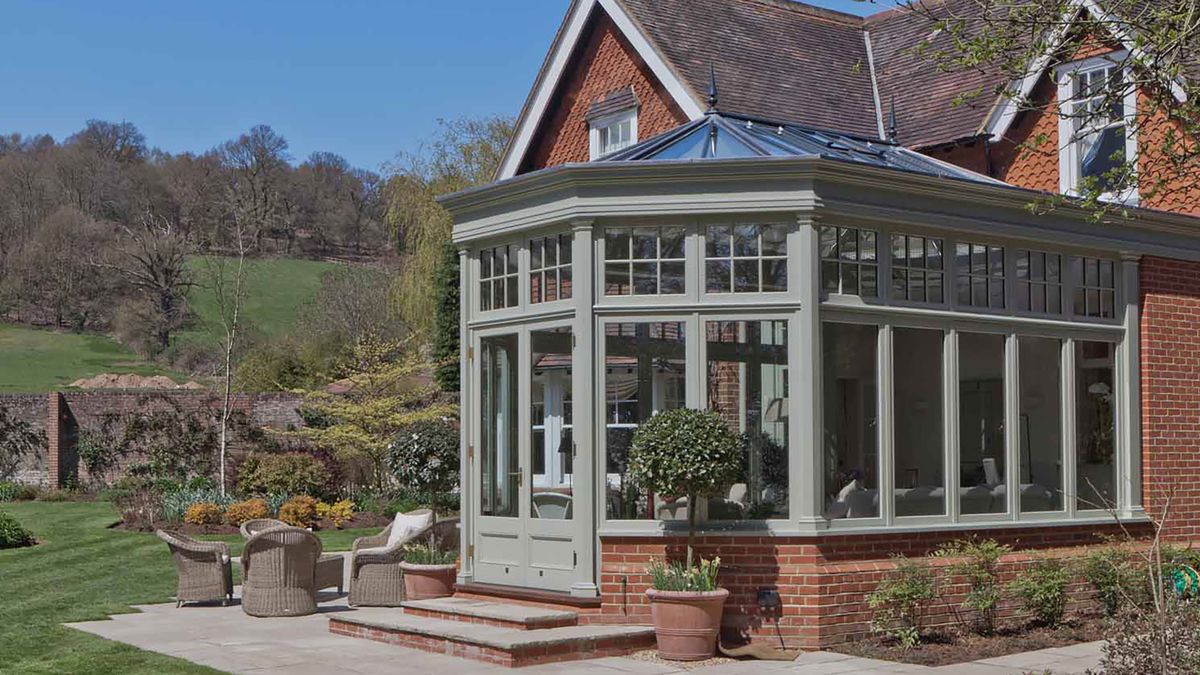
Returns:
(612,133)
(917,269)
(644,261)
(1095,287)
(745,258)
(1039,282)
(849,264)
(1095,123)
(550,269)
(498,277)
(980,275)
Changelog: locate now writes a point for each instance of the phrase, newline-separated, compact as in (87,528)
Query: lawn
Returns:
(84,571)
(37,359)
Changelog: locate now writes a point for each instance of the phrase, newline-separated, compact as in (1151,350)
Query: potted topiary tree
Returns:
(429,571)
(690,454)
(424,455)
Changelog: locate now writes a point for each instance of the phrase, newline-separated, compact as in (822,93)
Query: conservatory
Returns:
(903,345)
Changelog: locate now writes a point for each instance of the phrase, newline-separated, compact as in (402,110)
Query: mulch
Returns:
(951,647)
(360,521)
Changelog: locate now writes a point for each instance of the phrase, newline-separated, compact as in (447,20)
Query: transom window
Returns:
(1095,287)
(980,275)
(849,264)
(917,268)
(644,261)
(498,277)
(1039,282)
(550,269)
(745,258)
(1095,122)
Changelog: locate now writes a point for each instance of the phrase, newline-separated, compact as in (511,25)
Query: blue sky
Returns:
(361,78)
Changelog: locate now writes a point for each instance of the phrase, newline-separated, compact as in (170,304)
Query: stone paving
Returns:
(226,639)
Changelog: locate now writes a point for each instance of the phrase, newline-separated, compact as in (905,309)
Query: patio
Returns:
(226,639)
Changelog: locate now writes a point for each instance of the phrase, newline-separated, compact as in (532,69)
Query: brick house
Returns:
(697,210)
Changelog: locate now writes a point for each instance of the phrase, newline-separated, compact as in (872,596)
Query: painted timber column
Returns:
(587,566)
(1129,393)
(804,350)
(466,426)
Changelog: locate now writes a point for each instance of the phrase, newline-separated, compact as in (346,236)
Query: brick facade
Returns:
(605,62)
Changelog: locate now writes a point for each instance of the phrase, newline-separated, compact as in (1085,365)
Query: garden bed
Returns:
(359,521)
(951,647)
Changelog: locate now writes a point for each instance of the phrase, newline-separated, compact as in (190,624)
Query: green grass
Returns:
(38,360)
(276,291)
(84,571)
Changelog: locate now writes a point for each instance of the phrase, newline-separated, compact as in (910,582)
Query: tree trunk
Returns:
(691,511)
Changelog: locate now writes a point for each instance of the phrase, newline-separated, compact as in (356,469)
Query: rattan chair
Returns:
(279,572)
(205,574)
(255,525)
(376,579)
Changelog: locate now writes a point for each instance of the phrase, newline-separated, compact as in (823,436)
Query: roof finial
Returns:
(712,89)
(892,131)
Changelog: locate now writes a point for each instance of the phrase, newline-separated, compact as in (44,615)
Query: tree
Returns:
(424,455)
(465,152)
(257,163)
(1009,42)
(446,323)
(57,282)
(228,294)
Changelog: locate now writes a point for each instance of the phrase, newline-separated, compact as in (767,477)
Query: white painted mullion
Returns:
(1129,423)
(1070,446)
(885,413)
(950,430)
(1012,424)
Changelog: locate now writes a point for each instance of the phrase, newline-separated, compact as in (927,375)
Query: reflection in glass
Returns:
(1041,424)
(848,355)
(645,373)
(981,423)
(498,455)
(920,483)
(551,446)
(747,387)
(1095,429)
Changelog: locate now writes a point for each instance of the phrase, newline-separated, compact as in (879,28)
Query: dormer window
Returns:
(612,123)
(1097,113)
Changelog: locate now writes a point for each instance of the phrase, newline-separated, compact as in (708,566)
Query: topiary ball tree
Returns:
(688,453)
(424,455)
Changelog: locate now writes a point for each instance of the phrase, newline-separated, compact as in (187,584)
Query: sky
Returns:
(363,78)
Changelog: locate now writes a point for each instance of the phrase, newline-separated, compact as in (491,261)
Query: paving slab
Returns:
(494,611)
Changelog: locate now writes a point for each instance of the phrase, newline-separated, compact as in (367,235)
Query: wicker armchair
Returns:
(375,576)
(255,525)
(204,569)
(279,572)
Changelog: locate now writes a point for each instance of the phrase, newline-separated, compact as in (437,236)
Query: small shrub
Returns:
(429,553)
(55,496)
(12,534)
(274,502)
(251,509)
(203,513)
(901,601)
(678,576)
(1042,590)
(424,456)
(286,472)
(17,492)
(1109,571)
(299,511)
(339,513)
(978,561)
(1166,640)
(175,504)
(141,508)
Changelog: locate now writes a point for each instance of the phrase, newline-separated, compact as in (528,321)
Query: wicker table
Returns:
(329,572)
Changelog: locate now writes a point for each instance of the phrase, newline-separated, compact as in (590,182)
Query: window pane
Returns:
(920,486)
(499,299)
(829,240)
(747,387)
(716,276)
(616,279)
(981,423)
(645,278)
(745,240)
(616,244)
(933,254)
(550,398)
(644,373)
(745,276)
(851,421)
(564,249)
(1095,472)
(774,240)
(485,295)
(934,281)
(511,289)
(485,264)
(535,254)
(551,286)
(645,243)
(774,276)
(512,258)
(672,242)
(829,276)
(716,241)
(564,283)
(1041,475)
(672,278)
(866,245)
(535,287)
(499,459)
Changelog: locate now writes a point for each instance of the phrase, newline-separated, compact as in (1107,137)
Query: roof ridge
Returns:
(813,10)
(904,6)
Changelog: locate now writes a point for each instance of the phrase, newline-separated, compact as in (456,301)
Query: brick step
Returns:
(491,644)
(504,615)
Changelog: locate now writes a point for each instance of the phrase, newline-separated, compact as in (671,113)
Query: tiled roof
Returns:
(623,99)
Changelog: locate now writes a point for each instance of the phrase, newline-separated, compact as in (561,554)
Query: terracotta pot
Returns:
(687,623)
(424,582)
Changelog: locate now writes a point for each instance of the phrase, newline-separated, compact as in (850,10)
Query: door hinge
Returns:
(471,550)
(574,449)
(572,341)
(574,558)
(520,478)
(470,452)
(470,353)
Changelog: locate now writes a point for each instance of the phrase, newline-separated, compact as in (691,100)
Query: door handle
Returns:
(520,477)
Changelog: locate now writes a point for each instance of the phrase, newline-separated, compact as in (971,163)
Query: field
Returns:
(37,360)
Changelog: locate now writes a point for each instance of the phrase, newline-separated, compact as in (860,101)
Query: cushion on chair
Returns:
(407,524)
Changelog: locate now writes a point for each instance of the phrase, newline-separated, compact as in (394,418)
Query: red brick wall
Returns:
(823,582)
(605,63)
(1170,371)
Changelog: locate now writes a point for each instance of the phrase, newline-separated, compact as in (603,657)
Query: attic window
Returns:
(1098,108)
(612,123)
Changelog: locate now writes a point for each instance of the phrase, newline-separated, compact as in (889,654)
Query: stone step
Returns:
(470,610)
(491,644)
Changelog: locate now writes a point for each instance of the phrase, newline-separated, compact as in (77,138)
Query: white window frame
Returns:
(596,126)
(1068,155)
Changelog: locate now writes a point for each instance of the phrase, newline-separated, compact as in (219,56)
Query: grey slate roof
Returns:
(725,136)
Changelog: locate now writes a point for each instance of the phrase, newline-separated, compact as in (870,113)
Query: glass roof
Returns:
(720,136)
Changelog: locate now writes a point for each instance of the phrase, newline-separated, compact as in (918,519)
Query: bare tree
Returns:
(257,163)
(229,291)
